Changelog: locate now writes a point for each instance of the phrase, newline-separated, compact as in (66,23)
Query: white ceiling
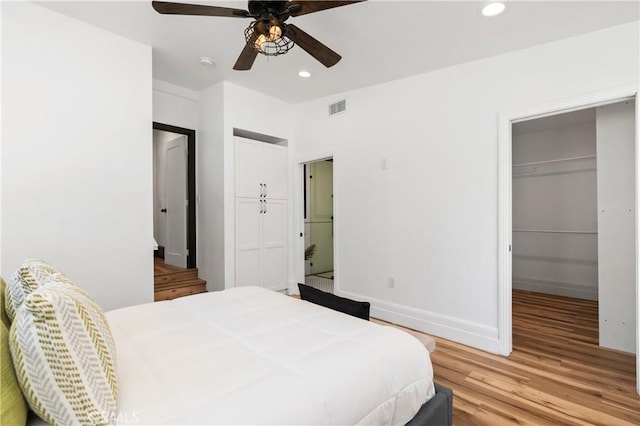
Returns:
(379,40)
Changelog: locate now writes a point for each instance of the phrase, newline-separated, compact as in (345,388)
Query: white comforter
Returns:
(253,356)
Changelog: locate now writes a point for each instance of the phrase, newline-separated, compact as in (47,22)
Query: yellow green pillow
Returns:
(64,355)
(13,408)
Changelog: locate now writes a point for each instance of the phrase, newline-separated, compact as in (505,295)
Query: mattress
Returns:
(253,356)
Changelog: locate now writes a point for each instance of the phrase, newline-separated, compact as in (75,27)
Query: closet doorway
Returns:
(573,236)
(318,224)
(573,216)
(555,223)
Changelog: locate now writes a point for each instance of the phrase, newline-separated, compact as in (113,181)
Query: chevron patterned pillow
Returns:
(27,278)
(64,355)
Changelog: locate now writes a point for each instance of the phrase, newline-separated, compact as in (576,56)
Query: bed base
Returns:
(438,411)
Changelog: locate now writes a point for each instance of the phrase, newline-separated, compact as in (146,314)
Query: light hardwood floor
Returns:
(556,375)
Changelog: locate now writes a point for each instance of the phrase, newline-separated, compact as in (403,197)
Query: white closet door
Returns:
(247,167)
(176,207)
(248,241)
(274,243)
(274,170)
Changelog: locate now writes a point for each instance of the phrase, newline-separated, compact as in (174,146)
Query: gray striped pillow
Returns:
(64,355)
(26,279)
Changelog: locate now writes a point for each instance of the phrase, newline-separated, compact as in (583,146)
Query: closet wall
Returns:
(616,225)
(555,240)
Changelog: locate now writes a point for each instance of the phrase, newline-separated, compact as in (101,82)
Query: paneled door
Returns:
(248,168)
(261,171)
(274,244)
(176,202)
(248,241)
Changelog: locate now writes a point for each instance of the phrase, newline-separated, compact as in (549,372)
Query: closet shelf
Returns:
(555,231)
(559,160)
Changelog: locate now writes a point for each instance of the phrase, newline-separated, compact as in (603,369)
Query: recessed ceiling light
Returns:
(304,74)
(206,61)
(493,9)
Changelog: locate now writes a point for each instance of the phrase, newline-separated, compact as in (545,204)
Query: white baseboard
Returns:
(556,287)
(462,331)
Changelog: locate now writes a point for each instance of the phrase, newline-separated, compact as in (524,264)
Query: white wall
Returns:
(210,181)
(223,108)
(248,110)
(76,153)
(175,105)
(617,225)
(555,196)
(430,219)
(215,112)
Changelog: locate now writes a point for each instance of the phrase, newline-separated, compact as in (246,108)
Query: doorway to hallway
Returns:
(318,224)
(174,206)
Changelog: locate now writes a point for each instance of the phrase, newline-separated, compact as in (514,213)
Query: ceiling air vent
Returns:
(337,107)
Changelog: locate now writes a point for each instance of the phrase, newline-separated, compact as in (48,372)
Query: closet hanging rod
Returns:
(559,160)
(555,231)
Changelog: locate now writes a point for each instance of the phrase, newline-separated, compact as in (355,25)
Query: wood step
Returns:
(178,284)
(171,290)
(187,274)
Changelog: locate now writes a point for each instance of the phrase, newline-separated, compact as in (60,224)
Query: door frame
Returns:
(191,186)
(299,220)
(505,207)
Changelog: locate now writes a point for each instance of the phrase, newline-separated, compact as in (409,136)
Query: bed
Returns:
(253,356)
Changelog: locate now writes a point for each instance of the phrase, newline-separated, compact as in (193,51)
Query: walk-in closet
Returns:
(574,213)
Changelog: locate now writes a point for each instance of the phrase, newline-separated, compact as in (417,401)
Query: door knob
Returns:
(163,210)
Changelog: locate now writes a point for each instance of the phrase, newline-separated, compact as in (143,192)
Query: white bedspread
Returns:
(253,356)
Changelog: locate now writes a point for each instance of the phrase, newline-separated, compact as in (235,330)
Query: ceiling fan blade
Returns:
(248,55)
(169,8)
(313,47)
(302,7)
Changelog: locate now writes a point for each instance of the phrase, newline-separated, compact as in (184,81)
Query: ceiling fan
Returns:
(267,34)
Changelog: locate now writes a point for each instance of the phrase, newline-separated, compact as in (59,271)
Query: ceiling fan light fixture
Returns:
(267,34)
(493,9)
(275,32)
(262,39)
(268,37)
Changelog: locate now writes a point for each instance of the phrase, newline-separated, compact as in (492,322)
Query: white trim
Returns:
(505,120)
(315,157)
(575,103)
(298,224)
(505,178)
(637,244)
(466,332)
